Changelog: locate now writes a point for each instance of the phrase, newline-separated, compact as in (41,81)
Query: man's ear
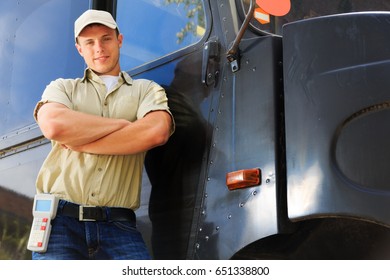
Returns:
(120,40)
(79,49)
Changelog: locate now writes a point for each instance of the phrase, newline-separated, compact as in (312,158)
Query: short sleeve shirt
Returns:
(90,179)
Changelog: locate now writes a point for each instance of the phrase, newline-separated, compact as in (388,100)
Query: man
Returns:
(101,126)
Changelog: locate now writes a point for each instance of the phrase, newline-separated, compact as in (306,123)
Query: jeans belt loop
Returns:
(81,214)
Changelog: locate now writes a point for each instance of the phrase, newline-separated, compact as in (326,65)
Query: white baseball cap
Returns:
(94,16)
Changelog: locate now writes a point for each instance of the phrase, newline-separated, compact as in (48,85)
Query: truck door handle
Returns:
(210,62)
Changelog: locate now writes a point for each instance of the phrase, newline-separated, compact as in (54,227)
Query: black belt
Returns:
(96,213)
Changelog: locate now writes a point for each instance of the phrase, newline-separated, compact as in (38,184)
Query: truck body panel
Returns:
(336,113)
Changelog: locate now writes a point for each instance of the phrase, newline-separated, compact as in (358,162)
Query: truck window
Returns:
(304,9)
(36,46)
(155,28)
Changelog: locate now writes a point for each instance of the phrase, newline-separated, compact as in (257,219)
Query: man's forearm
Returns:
(72,128)
(151,131)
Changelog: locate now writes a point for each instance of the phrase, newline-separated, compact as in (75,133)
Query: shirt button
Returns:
(100,169)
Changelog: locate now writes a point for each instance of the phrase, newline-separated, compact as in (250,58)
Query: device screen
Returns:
(43,205)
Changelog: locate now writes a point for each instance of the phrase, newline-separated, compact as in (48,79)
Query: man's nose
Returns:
(99,46)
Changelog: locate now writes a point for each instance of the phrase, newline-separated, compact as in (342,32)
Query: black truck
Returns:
(282,141)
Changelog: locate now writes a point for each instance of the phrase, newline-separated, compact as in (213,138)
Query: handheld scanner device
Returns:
(44,210)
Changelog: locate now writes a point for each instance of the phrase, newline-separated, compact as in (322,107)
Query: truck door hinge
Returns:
(210,62)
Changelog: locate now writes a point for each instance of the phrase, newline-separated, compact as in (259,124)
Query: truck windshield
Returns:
(170,25)
(303,9)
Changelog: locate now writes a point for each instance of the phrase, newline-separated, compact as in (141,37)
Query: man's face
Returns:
(99,46)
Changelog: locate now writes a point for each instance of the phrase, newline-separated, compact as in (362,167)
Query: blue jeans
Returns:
(71,239)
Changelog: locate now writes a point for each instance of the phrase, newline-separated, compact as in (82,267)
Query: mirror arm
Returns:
(233,53)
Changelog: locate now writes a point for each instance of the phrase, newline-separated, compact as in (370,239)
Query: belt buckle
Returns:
(81,214)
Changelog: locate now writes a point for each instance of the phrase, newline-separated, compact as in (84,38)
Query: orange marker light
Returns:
(243,178)
(261,16)
(275,7)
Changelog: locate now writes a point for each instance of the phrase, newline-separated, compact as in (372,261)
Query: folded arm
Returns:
(72,128)
(151,131)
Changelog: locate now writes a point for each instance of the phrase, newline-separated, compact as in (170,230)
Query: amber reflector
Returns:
(243,178)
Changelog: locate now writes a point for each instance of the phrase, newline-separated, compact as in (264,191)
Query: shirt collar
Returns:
(126,77)
(89,74)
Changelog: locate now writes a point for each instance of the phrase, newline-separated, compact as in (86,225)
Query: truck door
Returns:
(246,139)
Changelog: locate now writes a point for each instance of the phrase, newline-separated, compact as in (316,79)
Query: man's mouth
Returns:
(102,58)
